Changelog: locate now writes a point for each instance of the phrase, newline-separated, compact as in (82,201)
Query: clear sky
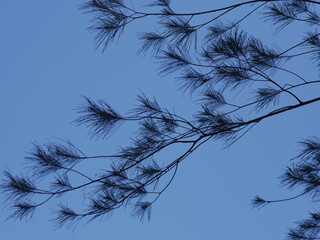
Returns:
(48,61)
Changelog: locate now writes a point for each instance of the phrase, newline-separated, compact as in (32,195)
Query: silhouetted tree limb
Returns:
(228,61)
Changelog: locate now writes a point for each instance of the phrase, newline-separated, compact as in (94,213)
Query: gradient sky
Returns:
(48,62)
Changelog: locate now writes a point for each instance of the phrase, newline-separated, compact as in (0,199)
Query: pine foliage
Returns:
(227,62)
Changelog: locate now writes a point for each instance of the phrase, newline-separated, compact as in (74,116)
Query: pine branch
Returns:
(99,116)
(231,59)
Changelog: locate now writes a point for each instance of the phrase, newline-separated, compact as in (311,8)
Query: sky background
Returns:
(48,62)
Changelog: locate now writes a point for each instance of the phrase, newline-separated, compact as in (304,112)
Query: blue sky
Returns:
(48,62)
